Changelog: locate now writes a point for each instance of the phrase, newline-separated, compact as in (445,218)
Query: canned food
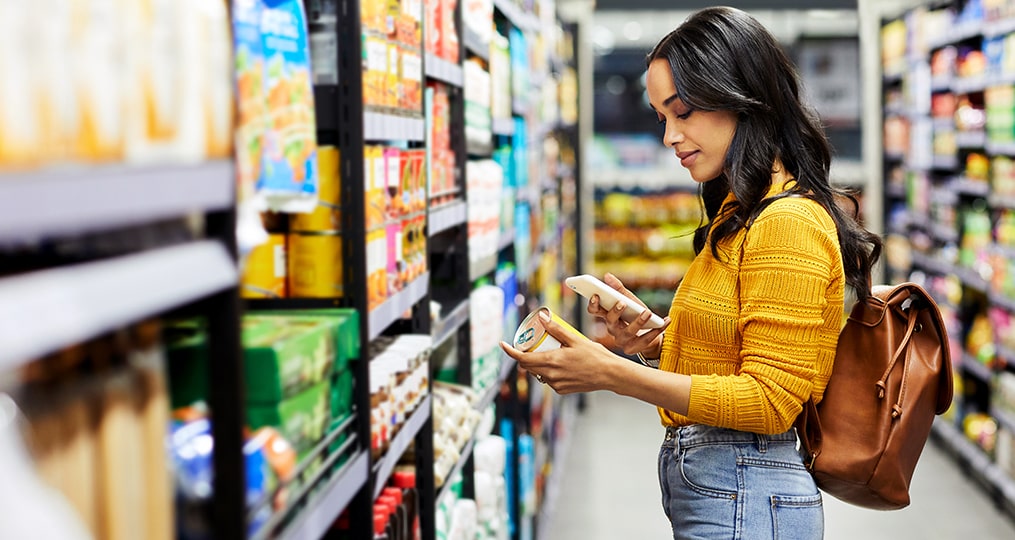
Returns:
(264,275)
(315,265)
(532,336)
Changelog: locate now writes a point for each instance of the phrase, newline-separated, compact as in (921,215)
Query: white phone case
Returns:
(588,286)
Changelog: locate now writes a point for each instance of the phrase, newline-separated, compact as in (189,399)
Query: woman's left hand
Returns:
(580,365)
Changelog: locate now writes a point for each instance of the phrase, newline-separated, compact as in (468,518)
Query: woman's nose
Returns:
(672,136)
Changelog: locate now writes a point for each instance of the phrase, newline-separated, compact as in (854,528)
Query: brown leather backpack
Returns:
(892,374)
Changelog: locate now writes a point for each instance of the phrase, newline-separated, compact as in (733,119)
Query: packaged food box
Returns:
(302,419)
(285,358)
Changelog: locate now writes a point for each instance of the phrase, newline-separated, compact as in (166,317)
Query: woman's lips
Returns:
(687,158)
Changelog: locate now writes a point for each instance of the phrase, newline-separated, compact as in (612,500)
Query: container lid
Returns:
(380,522)
(404,479)
(394,493)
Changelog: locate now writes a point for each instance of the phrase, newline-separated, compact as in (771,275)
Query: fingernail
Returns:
(620,306)
(644,316)
(544,316)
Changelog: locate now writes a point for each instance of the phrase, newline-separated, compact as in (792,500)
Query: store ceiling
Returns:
(746,5)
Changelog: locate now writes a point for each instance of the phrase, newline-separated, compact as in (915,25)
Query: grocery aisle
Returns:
(610,489)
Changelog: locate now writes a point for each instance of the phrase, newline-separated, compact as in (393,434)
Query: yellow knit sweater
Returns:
(756,329)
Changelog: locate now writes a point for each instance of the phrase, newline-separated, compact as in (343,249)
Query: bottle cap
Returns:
(405,480)
(394,493)
(380,522)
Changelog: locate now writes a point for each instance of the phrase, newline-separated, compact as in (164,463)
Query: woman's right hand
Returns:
(631,337)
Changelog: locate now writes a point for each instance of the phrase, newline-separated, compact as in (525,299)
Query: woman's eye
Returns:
(686,115)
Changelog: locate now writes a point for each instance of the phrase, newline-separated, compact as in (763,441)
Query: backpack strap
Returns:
(903,346)
(808,427)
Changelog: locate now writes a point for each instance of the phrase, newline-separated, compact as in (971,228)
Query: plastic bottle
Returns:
(406,481)
(401,511)
(381,522)
(394,520)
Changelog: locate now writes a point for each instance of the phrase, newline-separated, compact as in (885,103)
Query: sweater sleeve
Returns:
(788,263)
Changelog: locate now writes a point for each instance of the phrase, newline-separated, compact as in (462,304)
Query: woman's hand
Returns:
(631,337)
(580,365)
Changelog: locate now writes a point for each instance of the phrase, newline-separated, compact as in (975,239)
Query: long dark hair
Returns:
(723,59)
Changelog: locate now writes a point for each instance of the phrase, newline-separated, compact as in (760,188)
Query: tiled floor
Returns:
(610,490)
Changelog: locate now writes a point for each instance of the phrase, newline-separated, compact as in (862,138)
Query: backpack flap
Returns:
(934,341)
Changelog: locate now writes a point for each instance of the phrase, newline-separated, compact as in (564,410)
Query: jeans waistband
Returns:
(700,434)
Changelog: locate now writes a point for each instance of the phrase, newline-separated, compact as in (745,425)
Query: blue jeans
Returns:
(725,484)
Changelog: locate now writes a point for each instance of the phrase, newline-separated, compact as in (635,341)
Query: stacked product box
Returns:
(395,200)
(392,54)
(484,182)
(487,331)
(441,185)
(399,380)
(441,33)
(296,367)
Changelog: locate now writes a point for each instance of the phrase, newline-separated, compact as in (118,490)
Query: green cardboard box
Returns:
(283,357)
(345,323)
(302,419)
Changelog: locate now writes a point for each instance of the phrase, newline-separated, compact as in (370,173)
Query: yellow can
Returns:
(315,265)
(264,275)
(532,336)
(327,215)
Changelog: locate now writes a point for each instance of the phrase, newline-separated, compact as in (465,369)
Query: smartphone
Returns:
(588,286)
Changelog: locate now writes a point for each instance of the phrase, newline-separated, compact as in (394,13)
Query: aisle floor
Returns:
(610,490)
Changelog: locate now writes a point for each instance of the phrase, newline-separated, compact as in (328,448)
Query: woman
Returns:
(752,330)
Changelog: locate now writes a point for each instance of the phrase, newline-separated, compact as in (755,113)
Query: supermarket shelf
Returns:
(503,126)
(314,521)
(1002,301)
(41,312)
(969,85)
(971,279)
(551,491)
(482,267)
(948,163)
(519,107)
(999,28)
(1001,201)
(944,233)
(475,44)
(932,264)
(519,18)
(975,368)
(442,70)
(446,327)
(965,186)
(507,364)
(380,126)
(400,443)
(1007,355)
(999,482)
(76,200)
(507,239)
(464,456)
(1005,148)
(940,83)
(446,217)
(895,191)
(392,309)
(1005,419)
(971,139)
